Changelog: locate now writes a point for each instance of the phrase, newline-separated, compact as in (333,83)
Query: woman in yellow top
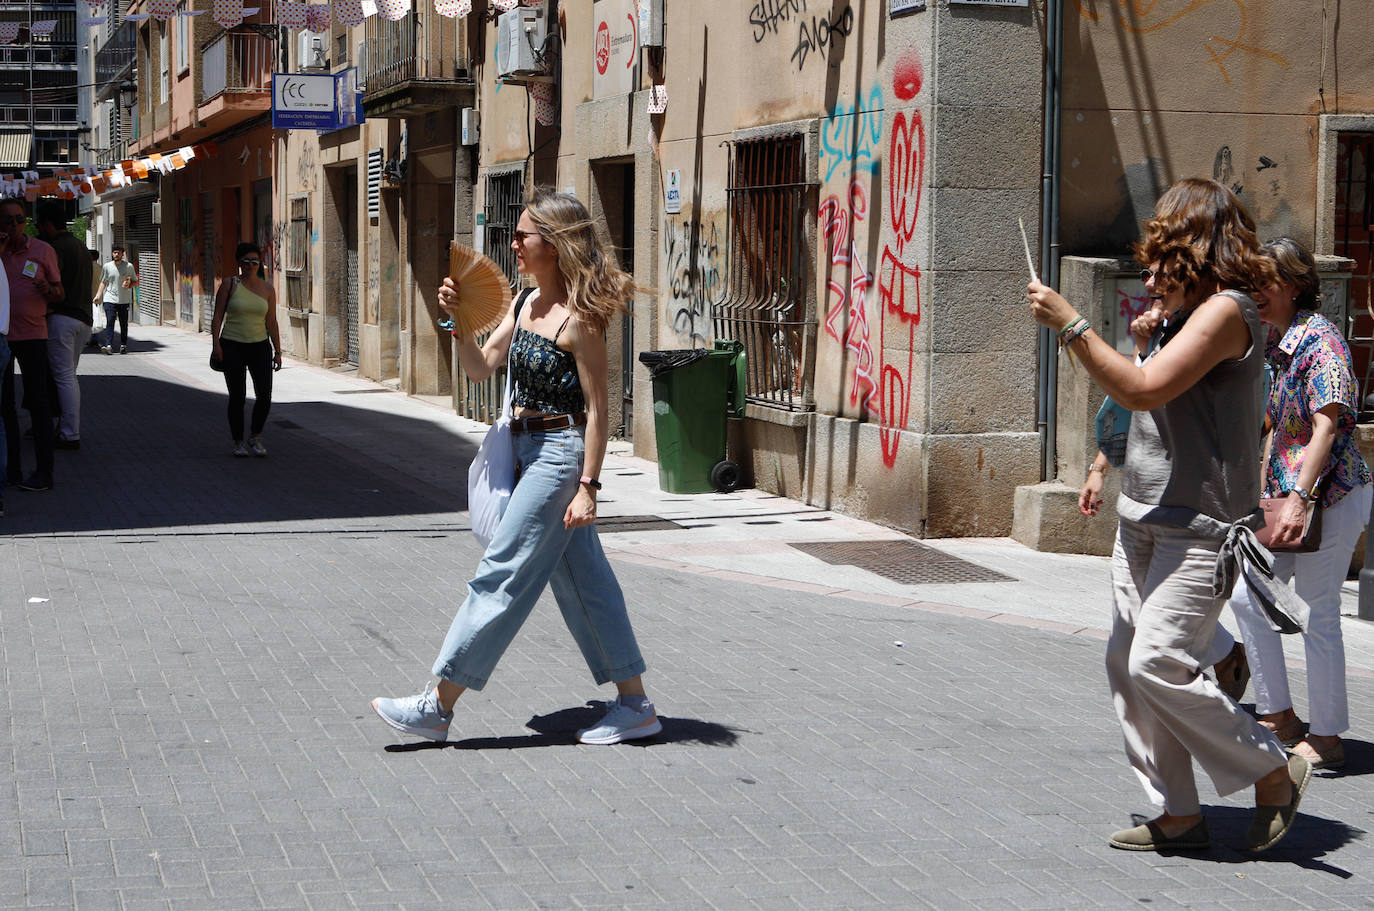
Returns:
(246,339)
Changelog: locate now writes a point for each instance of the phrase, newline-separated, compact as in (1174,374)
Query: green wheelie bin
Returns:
(695,390)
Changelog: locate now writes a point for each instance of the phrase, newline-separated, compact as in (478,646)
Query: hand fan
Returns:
(484,292)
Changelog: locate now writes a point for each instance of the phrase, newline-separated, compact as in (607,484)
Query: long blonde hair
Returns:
(597,287)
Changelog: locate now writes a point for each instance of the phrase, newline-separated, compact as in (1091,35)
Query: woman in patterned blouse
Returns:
(1312,407)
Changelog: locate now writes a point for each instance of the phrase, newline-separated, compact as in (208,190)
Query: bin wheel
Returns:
(725,476)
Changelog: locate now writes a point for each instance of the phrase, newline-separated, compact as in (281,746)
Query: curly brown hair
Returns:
(1201,236)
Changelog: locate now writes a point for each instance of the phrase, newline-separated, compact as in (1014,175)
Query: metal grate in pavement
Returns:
(612,524)
(902,561)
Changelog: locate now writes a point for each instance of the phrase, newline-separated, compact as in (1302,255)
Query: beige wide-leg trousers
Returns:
(1164,618)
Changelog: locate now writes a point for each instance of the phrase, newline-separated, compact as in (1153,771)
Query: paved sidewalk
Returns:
(189,642)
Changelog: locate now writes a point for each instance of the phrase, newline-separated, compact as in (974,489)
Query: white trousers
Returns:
(1164,621)
(1316,578)
(66,338)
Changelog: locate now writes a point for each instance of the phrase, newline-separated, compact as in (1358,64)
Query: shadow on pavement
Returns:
(156,454)
(560,729)
(1310,839)
(1359,760)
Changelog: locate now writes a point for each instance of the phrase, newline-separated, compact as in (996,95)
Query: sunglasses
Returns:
(1147,274)
(250,262)
(521,235)
(7,220)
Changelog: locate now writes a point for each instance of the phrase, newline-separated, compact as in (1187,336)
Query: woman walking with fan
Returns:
(554,340)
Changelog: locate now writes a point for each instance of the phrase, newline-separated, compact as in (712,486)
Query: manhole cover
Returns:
(902,561)
(612,524)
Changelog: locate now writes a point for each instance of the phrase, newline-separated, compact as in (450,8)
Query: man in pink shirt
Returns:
(35,281)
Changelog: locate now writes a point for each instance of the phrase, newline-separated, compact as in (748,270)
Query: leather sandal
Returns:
(1289,734)
(1332,758)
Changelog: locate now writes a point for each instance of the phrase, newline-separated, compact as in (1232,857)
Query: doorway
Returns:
(1354,224)
(614,206)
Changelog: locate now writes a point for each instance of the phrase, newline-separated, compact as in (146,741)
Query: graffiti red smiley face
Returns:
(603,48)
(907,77)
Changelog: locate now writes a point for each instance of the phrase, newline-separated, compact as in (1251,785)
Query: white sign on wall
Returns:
(673,204)
(900,7)
(615,48)
(991,2)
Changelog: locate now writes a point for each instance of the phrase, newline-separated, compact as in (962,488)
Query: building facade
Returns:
(840,188)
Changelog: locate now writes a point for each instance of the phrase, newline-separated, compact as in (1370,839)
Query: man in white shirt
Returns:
(117,282)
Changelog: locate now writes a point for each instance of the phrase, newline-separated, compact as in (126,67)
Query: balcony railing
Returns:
(114,62)
(236,62)
(405,51)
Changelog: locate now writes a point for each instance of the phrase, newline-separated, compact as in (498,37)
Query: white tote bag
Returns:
(491,476)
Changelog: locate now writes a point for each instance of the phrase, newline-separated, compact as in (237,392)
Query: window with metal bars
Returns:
(298,255)
(504,200)
(764,304)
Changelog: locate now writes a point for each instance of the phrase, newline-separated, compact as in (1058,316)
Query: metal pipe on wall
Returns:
(1047,391)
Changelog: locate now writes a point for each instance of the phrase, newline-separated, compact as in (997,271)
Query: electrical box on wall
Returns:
(468,122)
(651,23)
(520,37)
(156,217)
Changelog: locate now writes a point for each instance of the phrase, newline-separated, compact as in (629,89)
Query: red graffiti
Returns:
(906,162)
(907,77)
(899,284)
(850,299)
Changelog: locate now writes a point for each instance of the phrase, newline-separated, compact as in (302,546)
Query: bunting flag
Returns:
(349,12)
(393,9)
(137,17)
(162,10)
(228,13)
(75,183)
(291,13)
(454,9)
(317,17)
(545,104)
(43,27)
(531,2)
(658,99)
(8,32)
(505,6)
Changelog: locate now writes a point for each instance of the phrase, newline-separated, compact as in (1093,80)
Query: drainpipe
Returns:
(1047,387)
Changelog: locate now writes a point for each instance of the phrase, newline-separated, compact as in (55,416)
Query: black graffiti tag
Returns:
(765,15)
(818,34)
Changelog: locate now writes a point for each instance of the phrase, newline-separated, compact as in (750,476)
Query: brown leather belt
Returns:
(542,422)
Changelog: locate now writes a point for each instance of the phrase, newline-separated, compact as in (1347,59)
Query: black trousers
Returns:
(32,357)
(255,359)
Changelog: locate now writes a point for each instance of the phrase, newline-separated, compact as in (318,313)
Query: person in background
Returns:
(69,322)
(117,283)
(1313,456)
(35,283)
(246,339)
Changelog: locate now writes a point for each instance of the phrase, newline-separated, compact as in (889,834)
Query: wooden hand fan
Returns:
(484,293)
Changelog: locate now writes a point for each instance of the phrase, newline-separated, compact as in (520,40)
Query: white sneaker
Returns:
(622,723)
(255,444)
(418,715)
(241,450)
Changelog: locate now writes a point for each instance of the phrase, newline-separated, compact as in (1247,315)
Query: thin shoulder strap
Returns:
(510,351)
(561,327)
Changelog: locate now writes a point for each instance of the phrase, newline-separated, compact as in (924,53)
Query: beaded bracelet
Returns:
(1076,330)
(1064,333)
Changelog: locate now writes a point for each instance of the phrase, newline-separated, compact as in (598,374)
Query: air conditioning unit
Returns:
(519,42)
(310,52)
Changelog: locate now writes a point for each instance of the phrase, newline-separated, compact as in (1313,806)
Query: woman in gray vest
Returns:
(1191,472)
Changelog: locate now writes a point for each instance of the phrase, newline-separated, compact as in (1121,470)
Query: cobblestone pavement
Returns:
(189,642)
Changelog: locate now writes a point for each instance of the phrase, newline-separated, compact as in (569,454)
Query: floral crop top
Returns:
(545,375)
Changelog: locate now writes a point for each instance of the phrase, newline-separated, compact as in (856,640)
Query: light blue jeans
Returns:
(532,549)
